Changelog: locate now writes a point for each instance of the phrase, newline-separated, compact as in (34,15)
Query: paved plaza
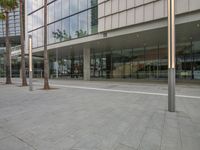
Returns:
(98,115)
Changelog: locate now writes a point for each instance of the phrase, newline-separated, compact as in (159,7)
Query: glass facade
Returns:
(147,62)
(14,24)
(140,58)
(67,66)
(14,34)
(67,19)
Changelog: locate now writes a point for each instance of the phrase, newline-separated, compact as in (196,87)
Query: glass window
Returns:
(117,65)
(34,36)
(40,37)
(92,21)
(58,35)
(73,6)
(196,60)
(34,5)
(48,1)
(65,8)
(92,3)
(50,33)
(58,10)
(40,16)
(34,19)
(65,29)
(127,63)
(73,26)
(30,23)
(29,6)
(82,5)
(40,3)
(82,24)
(50,13)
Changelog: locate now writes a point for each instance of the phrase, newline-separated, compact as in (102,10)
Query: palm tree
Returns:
(46,61)
(7,7)
(23,73)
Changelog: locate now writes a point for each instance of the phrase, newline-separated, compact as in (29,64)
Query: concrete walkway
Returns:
(79,115)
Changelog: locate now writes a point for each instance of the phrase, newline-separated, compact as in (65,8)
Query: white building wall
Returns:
(115,14)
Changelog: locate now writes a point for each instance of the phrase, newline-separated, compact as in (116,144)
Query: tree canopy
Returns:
(7,6)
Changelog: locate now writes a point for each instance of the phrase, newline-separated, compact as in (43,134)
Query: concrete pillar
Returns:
(86,64)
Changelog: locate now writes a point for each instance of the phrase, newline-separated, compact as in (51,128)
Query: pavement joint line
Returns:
(121,91)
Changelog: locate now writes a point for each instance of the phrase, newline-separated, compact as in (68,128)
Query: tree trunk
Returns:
(46,61)
(23,68)
(8,52)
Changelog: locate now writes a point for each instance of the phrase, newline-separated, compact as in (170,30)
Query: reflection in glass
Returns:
(92,3)
(82,5)
(77,25)
(34,36)
(40,19)
(34,5)
(58,10)
(92,20)
(65,29)
(82,24)
(57,30)
(34,19)
(29,5)
(50,13)
(40,3)
(65,8)
(51,38)
(73,26)
(40,37)
(73,6)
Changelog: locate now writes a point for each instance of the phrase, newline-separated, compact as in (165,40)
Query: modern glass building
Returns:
(115,39)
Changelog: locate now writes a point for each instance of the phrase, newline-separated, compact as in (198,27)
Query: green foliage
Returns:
(8,5)
(61,35)
(2,16)
(81,33)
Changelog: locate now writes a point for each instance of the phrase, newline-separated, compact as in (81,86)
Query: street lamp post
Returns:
(171,56)
(30,63)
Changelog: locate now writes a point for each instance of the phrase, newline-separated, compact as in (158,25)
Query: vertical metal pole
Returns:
(30,64)
(145,61)
(158,61)
(10,64)
(57,64)
(171,56)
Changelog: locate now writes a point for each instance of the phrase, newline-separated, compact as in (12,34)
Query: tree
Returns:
(46,61)
(81,33)
(7,7)
(23,69)
(61,35)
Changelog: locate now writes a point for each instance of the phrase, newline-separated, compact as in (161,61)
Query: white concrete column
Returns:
(86,64)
